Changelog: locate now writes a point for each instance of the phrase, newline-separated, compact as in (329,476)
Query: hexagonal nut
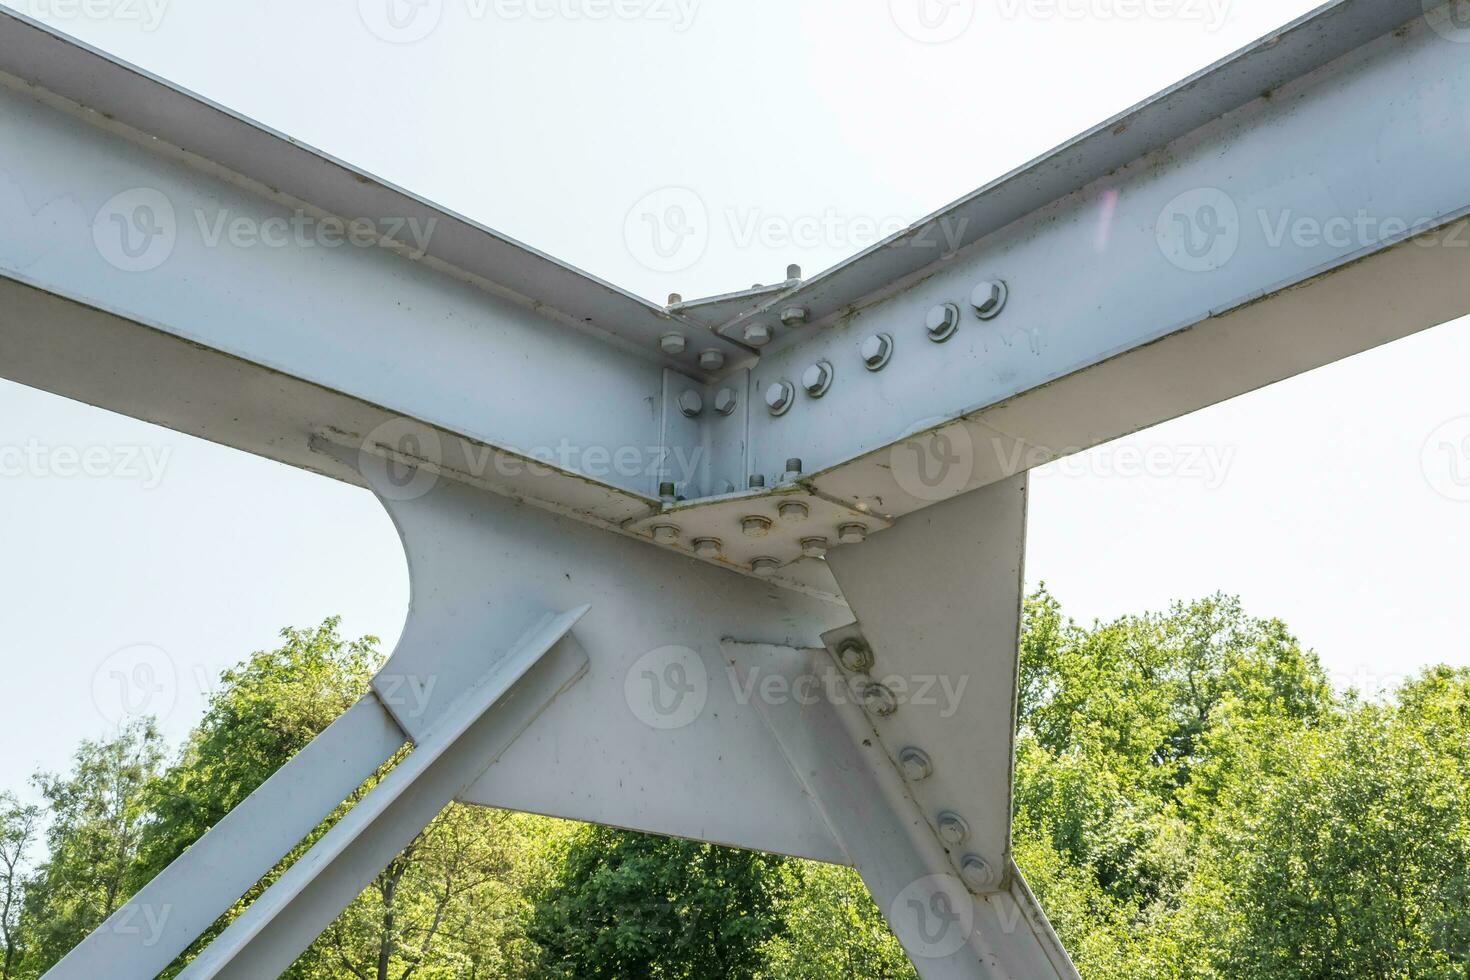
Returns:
(757,334)
(855,656)
(989,298)
(709,547)
(877,351)
(780,396)
(817,379)
(794,316)
(814,547)
(673,344)
(691,403)
(916,764)
(711,360)
(977,874)
(794,512)
(765,567)
(852,534)
(666,533)
(726,400)
(942,321)
(880,700)
(755,526)
(953,829)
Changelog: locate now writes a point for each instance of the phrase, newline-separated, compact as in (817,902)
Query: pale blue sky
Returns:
(1311,499)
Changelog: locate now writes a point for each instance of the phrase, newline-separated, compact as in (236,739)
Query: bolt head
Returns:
(876,351)
(852,533)
(989,298)
(755,527)
(953,829)
(794,512)
(793,271)
(765,567)
(977,874)
(916,764)
(794,316)
(709,547)
(666,533)
(673,344)
(726,400)
(817,379)
(814,547)
(757,335)
(880,700)
(691,403)
(711,360)
(779,397)
(855,656)
(942,321)
(757,481)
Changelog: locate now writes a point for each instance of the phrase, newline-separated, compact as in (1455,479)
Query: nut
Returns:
(916,764)
(755,527)
(877,351)
(757,335)
(668,492)
(852,533)
(855,656)
(666,533)
(758,481)
(765,567)
(794,512)
(989,298)
(794,316)
(691,403)
(817,379)
(711,360)
(726,400)
(942,321)
(953,829)
(978,876)
(709,547)
(779,397)
(673,344)
(814,547)
(880,700)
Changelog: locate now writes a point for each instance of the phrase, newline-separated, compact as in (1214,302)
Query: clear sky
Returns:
(1330,501)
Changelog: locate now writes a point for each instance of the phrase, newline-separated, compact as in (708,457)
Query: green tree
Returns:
(833,930)
(636,905)
(18,828)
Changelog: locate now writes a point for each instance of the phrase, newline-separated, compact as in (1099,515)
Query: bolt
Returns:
(757,482)
(711,360)
(877,350)
(880,700)
(953,829)
(755,527)
(667,492)
(726,400)
(779,397)
(793,316)
(793,272)
(814,547)
(855,656)
(852,534)
(977,874)
(942,321)
(757,335)
(675,299)
(793,465)
(765,567)
(691,404)
(666,533)
(708,547)
(817,379)
(672,344)
(989,298)
(916,764)
(794,512)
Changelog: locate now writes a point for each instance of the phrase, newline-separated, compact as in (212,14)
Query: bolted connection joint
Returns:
(793,316)
(726,400)
(794,512)
(817,379)
(757,335)
(877,351)
(916,764)
(666,533)
(709,547)
(942,322)
(953,829)
(673,344)
(977,874)
(765,567)
(691,404)
(852,534)
(989,298)
(880,700)
(855,656)
(755,527)
(711,360)
(779,397)
(814,547)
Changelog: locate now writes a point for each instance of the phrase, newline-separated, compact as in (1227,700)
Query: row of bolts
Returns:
(940,324)
(856,657)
